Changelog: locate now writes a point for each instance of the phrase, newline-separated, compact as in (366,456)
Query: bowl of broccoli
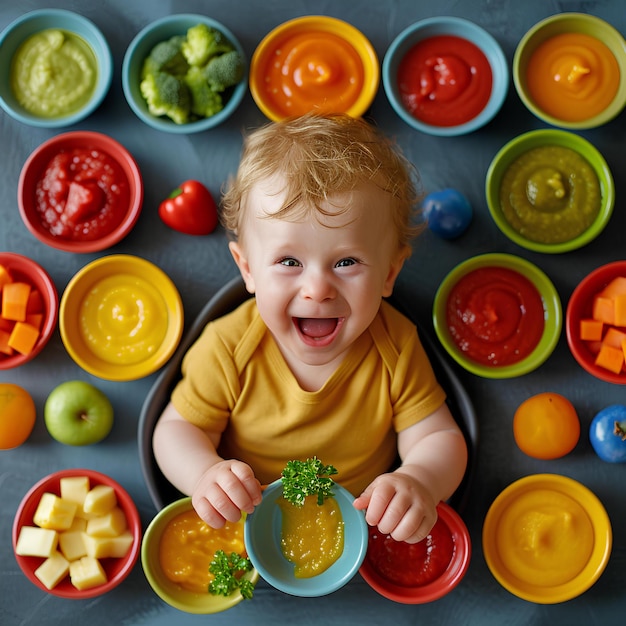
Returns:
(184,73)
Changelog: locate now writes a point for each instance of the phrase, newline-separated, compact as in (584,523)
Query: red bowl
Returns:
(24,269)
(34,168)
(579,307)
(116,569)
(434,589)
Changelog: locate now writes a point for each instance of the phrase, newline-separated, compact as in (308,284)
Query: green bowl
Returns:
(570,23)
(551,305)
(539,138)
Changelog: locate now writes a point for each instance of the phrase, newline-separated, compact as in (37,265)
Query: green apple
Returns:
(77,414)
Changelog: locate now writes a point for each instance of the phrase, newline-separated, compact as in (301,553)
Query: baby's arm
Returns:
(434,457)
(187,455)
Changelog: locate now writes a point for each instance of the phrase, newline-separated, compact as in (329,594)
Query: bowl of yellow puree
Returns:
(121,317)
(306,551)
(176,555)
(569,70)
(59,68)
(547,538)
(550,191)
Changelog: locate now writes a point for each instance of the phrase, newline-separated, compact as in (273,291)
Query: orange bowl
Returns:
(22,268)
(34,170)
(452,530)
(579,307)
(117,569)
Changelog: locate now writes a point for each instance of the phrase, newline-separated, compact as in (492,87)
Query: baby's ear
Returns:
(394,269)
(242,263)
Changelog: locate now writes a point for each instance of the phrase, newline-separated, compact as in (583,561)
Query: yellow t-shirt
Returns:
(236,382)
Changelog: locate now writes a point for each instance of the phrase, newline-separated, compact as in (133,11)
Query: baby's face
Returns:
(319,285)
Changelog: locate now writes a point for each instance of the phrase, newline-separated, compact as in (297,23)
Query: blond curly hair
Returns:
(317,157)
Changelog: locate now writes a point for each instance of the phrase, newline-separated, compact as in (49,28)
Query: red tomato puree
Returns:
(445,80)
(573,76)
(313,71)
(495,316)
(82,195)
(411,564)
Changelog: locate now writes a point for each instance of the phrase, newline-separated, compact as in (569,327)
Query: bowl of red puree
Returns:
(569,70)
(497,315)
(547,538)
(314,63)
(420,572)
(445,76)
(550,191)
(80,191)
(57,68)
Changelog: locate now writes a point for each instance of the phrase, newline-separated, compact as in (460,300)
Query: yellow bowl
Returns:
(111,300)
(318,64)
(523,577)
(169,591)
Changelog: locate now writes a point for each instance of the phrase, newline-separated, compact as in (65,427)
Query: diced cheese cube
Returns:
(53,570)
(35,541)
(110,525)
(72,545)
(99,500)
(108,547)
(86,573)
(79,524)
(74,488)
(54,512)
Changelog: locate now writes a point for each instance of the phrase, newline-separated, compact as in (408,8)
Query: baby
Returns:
(317,363)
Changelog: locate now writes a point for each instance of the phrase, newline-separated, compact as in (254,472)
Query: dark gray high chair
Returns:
(225,300)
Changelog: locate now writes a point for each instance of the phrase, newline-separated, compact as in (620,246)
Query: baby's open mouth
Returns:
(318,329)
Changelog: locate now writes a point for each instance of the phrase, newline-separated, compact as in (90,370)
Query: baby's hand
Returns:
(224,491)
(399,505)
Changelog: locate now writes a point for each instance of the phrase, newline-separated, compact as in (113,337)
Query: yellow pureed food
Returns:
(188,545)
(312,535)
(123,319)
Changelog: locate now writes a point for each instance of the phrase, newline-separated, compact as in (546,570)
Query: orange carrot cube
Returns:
(15,300)
(603,310)
(5,348)
(614,337)
(591,330)
(620,309)
(23,337)
(610,358)
(36,320)
(616,287)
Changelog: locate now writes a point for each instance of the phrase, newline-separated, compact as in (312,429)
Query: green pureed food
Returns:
(550,194)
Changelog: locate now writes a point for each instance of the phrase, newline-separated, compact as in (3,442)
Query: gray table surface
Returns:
(200,266)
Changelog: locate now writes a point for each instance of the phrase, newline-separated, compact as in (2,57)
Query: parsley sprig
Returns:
(307,478)
(225,568)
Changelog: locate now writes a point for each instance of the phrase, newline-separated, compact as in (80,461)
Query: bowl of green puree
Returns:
(59,68)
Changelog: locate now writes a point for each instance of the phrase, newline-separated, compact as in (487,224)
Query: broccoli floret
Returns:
(166,95)
(224,70)
(204,101)
(202,43)
(167,56)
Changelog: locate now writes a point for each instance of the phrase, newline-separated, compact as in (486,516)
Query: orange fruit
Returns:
(546,426)
(17,415)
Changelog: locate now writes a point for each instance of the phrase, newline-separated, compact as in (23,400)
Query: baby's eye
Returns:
(289,262)
(346,262)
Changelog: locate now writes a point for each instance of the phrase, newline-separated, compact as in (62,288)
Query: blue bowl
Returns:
(434,27)
(262,535)
(140,47)
(36,21)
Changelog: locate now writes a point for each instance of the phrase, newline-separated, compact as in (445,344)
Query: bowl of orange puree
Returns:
(569,70)
(317,64)
(177,551)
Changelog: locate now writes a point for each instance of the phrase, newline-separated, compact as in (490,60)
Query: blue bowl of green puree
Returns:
(57,68)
